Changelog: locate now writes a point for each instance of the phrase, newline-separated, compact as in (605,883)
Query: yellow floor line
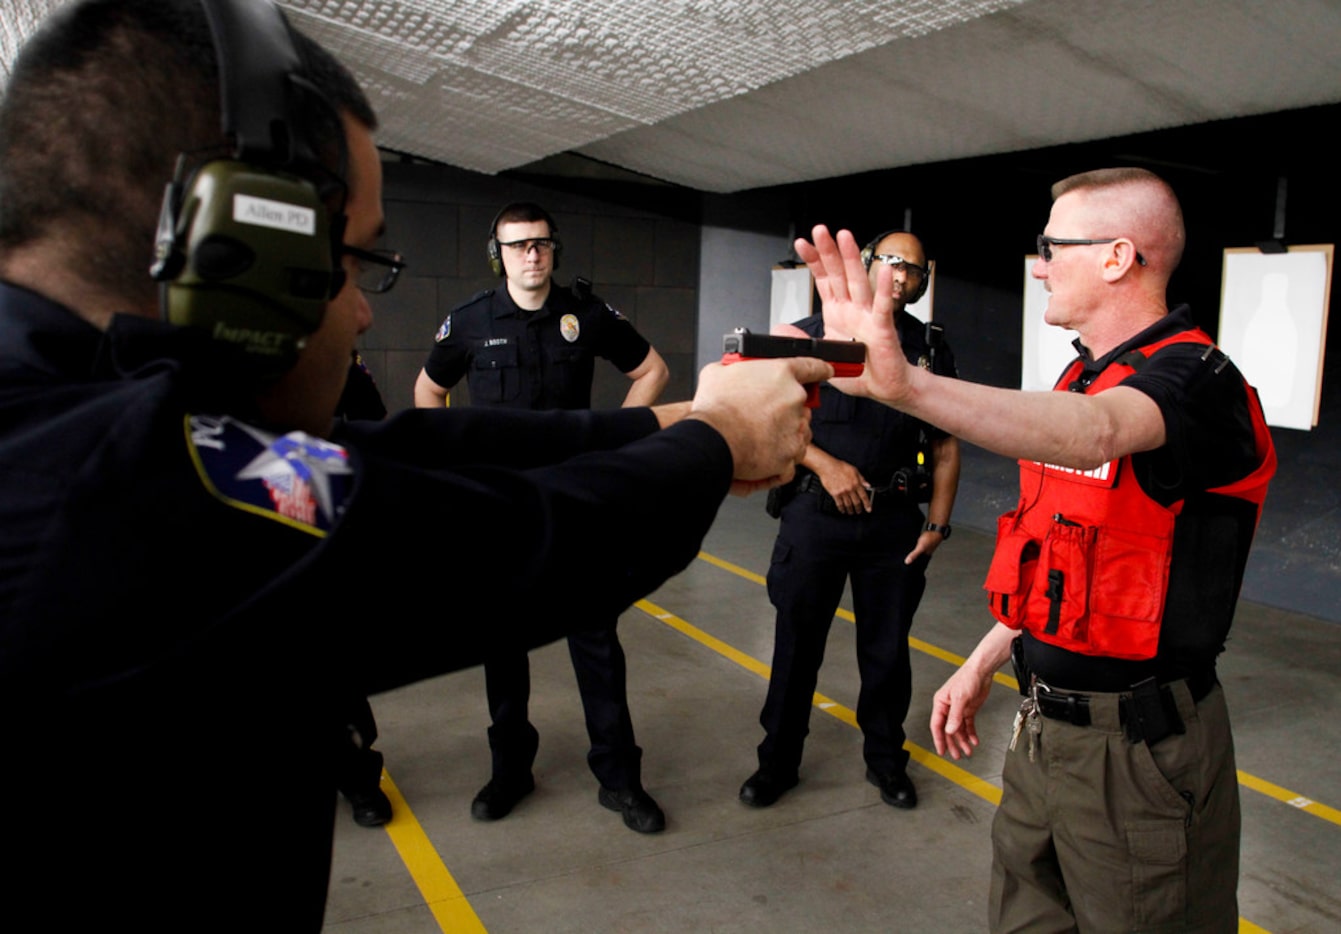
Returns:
(733,568)
(925,647)
(1292,798)
(454,915)
(442,895)
(1307,805)
(935,651)
(693,632)
(924,757)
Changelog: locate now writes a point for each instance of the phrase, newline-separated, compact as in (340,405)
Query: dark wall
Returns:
(640,242)
(640,259)
(979,218)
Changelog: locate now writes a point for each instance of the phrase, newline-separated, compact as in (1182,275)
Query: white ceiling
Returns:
(723,96)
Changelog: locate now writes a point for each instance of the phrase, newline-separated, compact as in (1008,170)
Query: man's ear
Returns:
(1115,259)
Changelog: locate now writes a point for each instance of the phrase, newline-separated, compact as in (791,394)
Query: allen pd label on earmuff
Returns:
(277,215)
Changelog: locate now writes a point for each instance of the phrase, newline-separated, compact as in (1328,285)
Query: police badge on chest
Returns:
(569,328)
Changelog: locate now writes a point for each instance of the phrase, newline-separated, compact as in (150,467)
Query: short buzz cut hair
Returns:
(1145,202)
(1106,178)
(523,212)
(100,103)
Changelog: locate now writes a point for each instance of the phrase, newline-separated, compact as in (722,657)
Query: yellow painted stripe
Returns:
(733,568)
(961,777)
(1294,799)
(924,757)
(935,651)
(925,647)
(441,893)
(698,635)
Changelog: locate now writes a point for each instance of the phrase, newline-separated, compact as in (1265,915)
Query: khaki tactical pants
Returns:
(1101,834)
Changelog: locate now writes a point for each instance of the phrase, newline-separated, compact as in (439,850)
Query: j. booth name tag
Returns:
(262,212)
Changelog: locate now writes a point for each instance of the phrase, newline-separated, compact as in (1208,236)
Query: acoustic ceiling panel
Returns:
(551,76)
(1042,73)
(721,95)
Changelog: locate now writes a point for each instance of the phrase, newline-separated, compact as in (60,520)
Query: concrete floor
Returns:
(829,856)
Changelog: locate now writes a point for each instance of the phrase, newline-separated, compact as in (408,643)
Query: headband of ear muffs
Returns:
(495,252)
(248,246)
(868,257)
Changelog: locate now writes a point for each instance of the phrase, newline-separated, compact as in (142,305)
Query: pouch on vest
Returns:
(1047,585)
(1063,575)
(1130,596)
(1011,575)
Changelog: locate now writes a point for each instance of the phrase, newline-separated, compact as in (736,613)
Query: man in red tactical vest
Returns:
(1115,578)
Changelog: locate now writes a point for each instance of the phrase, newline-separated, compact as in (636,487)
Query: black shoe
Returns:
(763,789)
(497,799)
(896,788)
(640,811)
(371,809)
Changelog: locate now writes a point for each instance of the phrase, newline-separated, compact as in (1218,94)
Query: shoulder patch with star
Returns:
(296,479)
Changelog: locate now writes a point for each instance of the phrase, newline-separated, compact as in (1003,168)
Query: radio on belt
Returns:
(848,357)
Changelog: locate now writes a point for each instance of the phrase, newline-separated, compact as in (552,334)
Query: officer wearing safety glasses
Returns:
(533,345)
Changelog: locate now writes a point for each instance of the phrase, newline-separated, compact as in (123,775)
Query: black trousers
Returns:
(598,663)
(358,767)
(815,554)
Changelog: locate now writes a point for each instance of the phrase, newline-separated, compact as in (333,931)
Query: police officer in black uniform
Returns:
(358,765)
(178,537)
(533,345)
(853,511)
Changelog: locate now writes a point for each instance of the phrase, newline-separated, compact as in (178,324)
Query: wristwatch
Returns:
(943,529)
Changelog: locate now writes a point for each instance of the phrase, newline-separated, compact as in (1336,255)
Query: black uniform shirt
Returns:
(180,644)
(543,359)
(873,437)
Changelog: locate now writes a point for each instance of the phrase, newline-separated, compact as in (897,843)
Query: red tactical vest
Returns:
(1083,561)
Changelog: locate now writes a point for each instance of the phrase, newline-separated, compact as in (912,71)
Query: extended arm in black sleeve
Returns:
(442,438)
(517,558)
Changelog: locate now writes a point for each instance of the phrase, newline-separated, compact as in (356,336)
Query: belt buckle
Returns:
(1072,712)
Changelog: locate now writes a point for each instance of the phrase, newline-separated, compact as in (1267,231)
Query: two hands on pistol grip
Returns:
(848,357)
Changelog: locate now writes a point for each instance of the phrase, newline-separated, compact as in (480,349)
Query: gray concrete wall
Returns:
(686,282)
(742,238)
(644,264)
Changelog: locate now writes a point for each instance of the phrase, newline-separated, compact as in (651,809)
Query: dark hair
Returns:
(523,212)
(100,103)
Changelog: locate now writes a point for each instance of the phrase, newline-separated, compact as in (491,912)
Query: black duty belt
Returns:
(880,495)
(1148,712)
